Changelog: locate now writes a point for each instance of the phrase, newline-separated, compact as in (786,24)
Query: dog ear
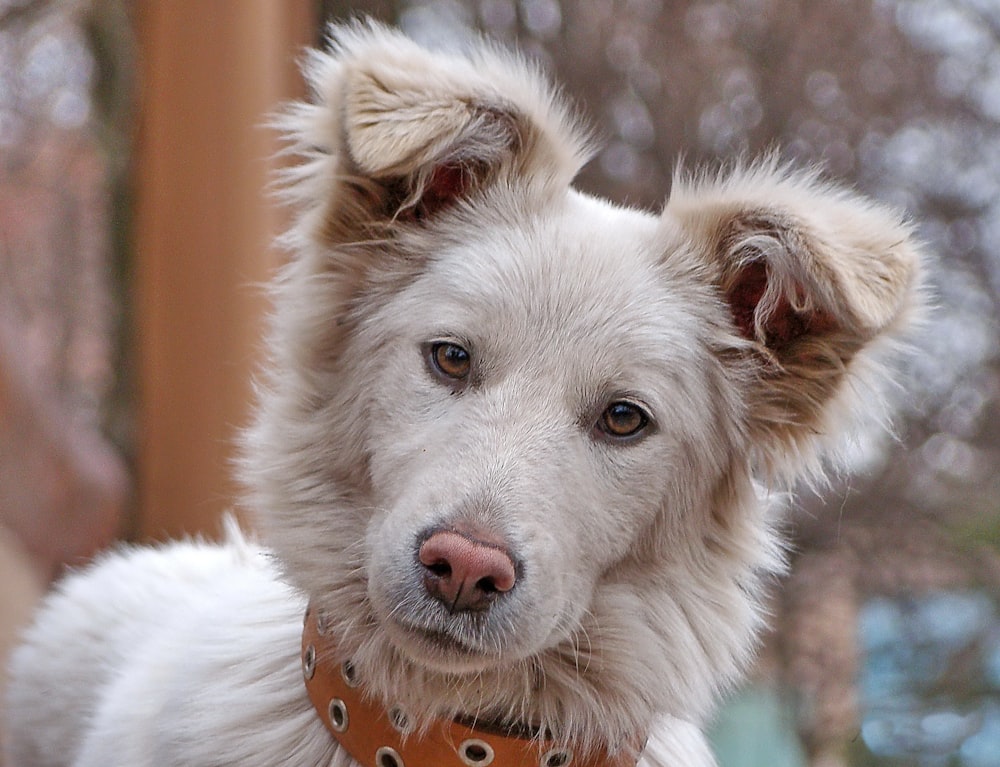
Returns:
(394,134)
(814,277)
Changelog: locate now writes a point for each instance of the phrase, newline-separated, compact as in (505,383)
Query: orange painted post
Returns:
(210,74)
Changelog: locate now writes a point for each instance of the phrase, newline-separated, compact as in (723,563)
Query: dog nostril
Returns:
(487,586)
(441,569)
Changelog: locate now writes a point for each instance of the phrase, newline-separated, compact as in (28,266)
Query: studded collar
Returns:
(376,737)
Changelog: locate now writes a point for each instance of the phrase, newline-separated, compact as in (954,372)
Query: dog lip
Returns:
(440,640)
(447,640)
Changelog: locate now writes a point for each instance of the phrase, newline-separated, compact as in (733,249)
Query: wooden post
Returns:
(210,74)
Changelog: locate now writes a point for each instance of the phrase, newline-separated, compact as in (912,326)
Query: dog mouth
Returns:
(447,648)
(445,641)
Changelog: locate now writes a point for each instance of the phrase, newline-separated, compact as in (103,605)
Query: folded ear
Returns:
(814,278)
(395,133)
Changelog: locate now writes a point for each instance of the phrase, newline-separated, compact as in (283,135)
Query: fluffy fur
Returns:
(433,205)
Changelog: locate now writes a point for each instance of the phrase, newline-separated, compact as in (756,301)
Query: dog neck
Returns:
(374,735)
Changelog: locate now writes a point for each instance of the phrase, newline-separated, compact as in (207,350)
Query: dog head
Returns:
(511,436)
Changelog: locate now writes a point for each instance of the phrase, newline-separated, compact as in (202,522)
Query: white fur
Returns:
(433,204)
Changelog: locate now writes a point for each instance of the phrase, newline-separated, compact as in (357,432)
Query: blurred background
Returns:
(135,231)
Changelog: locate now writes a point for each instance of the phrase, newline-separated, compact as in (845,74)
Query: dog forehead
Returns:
(578,268)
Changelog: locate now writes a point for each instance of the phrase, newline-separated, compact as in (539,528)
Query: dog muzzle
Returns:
(378,737)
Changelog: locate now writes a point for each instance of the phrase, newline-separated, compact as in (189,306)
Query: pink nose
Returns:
(464,573)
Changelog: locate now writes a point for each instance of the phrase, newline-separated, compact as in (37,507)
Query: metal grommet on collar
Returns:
(400,720)
(350,674)
(387,757)
(323,622)
(339,719)
(475,752)
(309,662)
(557,757)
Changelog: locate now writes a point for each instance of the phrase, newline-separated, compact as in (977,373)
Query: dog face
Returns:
(584,371)
(509,434)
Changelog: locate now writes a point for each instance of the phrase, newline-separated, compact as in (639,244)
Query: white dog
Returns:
(508,446)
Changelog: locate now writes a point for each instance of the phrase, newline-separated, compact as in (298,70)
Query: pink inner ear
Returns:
(745,293)
(447,183)
(784,324)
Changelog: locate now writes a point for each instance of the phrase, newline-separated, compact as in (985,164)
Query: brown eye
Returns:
(450,360)
(622,420)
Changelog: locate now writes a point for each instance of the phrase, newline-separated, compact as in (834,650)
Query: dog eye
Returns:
(450,360)
(622,419)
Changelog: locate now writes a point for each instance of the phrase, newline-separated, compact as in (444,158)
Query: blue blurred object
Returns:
(930,680)
(756,728)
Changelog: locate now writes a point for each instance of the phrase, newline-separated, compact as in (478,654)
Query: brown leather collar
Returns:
(375,737)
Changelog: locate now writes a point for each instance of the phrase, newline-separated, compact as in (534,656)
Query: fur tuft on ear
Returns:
(814,277)
(394,133)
